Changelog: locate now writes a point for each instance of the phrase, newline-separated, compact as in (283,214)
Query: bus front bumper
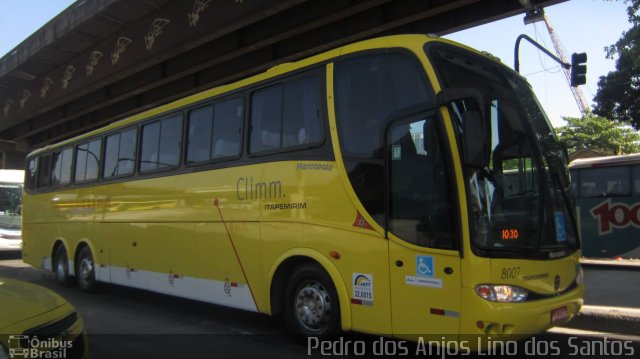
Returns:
(513,321)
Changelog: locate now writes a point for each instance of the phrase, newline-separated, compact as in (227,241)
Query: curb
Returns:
(607,319)
(611,264)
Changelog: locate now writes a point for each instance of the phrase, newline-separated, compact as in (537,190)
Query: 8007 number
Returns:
(510,273)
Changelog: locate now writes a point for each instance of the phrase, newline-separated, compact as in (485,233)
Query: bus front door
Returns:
(421,227)
(426,293)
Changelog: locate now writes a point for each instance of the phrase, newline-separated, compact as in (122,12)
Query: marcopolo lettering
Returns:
(314,166)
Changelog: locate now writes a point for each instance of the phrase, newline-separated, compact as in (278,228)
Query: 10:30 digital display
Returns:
(510,234)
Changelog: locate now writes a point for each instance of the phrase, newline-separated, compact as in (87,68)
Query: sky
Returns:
(20,18)
(581,25)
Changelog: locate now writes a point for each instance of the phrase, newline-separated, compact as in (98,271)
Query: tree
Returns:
(598,134)
(618,94)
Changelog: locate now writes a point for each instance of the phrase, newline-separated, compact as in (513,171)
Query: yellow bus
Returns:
(360,189)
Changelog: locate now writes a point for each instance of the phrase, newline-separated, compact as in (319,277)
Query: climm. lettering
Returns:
(247,189)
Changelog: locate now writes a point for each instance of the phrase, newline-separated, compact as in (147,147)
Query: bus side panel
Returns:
(120,238)
(36,247)
(248,246)
(51,217)
(609,226)
(363,256)
(171,249)
(34,251)
(194,261)
(588,228)
(223,268)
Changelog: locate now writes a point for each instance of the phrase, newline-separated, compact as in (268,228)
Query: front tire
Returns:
(61,267)
(312,307)
(85,271)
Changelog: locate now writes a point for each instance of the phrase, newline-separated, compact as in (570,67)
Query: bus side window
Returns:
(149,151)
(61,167)
(574,182)
(215,132)
(636,179)
(301,122)
(266,122)
(227,128)
(44,171)
(120,153)
(30,178)
(161,144)
(368,89)
(88,156)
(605,182)
(200,127)
(286,115)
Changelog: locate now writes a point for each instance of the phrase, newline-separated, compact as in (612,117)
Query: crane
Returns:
(539,15)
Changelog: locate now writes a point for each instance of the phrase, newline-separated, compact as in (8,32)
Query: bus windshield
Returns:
(520,202)
(10,205)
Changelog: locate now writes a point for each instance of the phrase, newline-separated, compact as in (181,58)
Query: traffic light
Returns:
(578,69)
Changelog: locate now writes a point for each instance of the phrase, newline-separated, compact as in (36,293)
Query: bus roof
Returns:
(408,40)
(605,161)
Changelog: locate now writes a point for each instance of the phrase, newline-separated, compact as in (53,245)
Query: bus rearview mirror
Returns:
(474,147)
(469,102)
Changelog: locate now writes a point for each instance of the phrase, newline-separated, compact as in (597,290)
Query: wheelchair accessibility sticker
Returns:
(424,266)
(424,274)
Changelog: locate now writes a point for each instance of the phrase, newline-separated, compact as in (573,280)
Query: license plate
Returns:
(558,315)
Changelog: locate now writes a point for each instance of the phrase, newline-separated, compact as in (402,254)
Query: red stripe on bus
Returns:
(235,251)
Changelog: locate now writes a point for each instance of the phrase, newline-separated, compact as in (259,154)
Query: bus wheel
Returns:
(312,307)
(61,267)
(85,271)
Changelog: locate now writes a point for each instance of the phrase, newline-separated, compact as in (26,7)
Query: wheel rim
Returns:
(61,267)
(313,306)
(86,270)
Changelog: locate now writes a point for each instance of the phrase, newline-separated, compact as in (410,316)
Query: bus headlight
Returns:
(579,274)
(502,293)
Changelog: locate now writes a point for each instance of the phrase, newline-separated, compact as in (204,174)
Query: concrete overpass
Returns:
(101,60)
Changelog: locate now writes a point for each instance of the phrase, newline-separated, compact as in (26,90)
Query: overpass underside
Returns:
(101,60)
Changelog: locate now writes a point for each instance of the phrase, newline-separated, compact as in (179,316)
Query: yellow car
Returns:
(35,322)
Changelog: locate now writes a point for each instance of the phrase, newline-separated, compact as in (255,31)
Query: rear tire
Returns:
(312,308)
(85,271)
(61,267)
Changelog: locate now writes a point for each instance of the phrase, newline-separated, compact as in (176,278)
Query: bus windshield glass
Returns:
(10,205)
(520,202)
